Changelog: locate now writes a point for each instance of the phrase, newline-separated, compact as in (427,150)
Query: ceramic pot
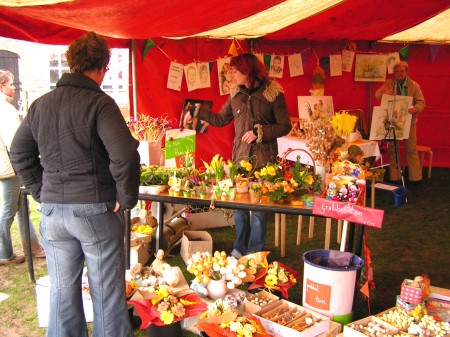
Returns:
(168,330)
(217,288)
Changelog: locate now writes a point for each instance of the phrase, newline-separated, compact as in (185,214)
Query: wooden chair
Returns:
(422,150)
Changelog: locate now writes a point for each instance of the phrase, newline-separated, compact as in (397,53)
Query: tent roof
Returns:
(121,20)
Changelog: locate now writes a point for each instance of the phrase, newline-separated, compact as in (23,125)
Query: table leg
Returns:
(311,227)
(327,233)
(344,236)
(127,220)
(26,219)
(277,229)
(283,235)
(160,231)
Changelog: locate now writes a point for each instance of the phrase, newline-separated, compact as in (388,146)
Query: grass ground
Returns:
(414,237)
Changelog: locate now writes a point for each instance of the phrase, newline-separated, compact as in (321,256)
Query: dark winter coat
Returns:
(267,107)
(74,147)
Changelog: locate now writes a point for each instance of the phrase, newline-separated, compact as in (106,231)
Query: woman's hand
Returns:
(249,137)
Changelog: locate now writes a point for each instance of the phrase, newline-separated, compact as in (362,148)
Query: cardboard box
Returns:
(350,332)
(278,330)
(43,302)
(195,241)
(139,239)
(412,295)
(139,254)
(251,307)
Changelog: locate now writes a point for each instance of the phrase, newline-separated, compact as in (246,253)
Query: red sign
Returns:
(350,212)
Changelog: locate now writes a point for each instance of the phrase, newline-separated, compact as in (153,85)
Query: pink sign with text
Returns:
(366,216)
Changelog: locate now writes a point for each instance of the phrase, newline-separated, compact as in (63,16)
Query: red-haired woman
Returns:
(258,108)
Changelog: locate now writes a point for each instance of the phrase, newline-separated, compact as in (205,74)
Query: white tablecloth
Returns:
(370,148)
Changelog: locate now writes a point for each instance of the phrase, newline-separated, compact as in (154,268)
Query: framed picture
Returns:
(191,107)
(391,116)
(370,68)
(309,105)
(225,75)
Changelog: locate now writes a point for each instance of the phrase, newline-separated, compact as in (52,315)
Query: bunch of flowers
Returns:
(145,128)
(155,175)
(164,306)
(270,172)
(218,308)
(239,326)
(277,277)
(206,267)
(343,123)
(244,169)
(216,167)
(297,179)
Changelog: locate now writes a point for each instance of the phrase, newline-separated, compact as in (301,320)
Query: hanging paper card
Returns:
(350,212)
(177,144)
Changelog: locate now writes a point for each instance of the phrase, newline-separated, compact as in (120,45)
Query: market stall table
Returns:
(241,202)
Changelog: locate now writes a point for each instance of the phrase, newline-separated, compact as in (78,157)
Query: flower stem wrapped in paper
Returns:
(276,277)
(221,320)
(165,306)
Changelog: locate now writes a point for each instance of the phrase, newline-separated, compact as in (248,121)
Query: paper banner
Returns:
(352,213)
(434,50)
(404,52)
(149,44)
(233,50)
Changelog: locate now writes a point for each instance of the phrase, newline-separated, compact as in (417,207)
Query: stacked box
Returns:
(358,328)
(411,294)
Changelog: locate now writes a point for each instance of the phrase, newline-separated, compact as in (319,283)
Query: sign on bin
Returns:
(349,212)
(329,282)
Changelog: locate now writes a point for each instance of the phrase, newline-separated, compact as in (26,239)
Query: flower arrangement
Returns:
(145,128)
(208,267)
(164,306)
(297,179)
(322,139)
(277,277)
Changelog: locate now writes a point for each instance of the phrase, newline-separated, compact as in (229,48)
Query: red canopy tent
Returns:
(325,33)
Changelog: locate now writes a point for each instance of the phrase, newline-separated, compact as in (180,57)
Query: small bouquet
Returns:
(244,169)
(216,167)
(206,267)
(240,326)
(164,306)
(255,265)
(278,277)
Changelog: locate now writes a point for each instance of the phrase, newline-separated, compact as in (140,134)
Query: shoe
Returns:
(236,254)
(39,254)
(15,259)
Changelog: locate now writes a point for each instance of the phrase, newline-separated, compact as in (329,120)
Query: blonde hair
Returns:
(5,76)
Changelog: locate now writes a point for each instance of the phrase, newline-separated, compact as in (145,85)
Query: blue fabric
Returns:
(93,233)
(9,207)
(250,238)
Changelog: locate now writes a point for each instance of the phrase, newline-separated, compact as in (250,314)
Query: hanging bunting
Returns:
(434,50)
(267,59)
(233,50)
(325,63)
(404,52)
(149,44)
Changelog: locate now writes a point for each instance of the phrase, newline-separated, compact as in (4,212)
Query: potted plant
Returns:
(256,192)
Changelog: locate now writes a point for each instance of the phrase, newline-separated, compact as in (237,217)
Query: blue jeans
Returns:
(9,207)
(249,238)
(75,233)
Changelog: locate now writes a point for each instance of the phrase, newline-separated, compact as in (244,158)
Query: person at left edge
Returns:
(75,154)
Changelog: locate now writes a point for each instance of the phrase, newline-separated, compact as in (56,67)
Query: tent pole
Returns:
(370,105)
(133,77)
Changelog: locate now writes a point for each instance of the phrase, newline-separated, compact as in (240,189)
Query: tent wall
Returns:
(155,99)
